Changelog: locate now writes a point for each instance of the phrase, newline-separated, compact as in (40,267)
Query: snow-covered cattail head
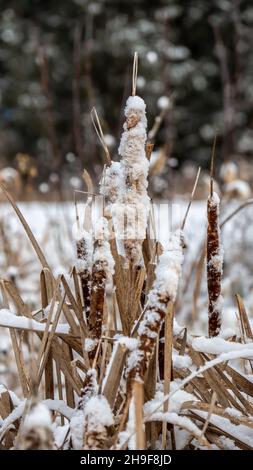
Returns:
(98,418)
(132,144)
(135,111)
(113,182)
(84,250)
(36,432)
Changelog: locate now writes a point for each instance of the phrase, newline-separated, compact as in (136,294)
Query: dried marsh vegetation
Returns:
(102,363)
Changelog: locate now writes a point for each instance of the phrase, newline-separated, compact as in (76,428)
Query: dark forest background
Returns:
(58,59)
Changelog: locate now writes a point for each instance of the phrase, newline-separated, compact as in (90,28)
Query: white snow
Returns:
(39,416)
(89,344)
(98,412)
(218,345)
(216,262)
(181,362)
(12,417)
(134,103)
(10,320)
(234,412)
(241,431)
(129,343)
(214,199)
(60,406)
(102,252)
(181,421)
(168,270)
(60,434)
(113,181)
(175,403)
(227,443)
(77,429)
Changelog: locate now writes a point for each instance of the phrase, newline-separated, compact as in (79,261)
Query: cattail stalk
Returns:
(103,268)
(162,294)
(98,282)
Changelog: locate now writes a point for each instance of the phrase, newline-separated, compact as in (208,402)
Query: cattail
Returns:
(90,388)
(36,432)
(102,270)
(92,418)
(98,418)
(135,166)
(124,184)
(162,294)
(214,265)
(84,251)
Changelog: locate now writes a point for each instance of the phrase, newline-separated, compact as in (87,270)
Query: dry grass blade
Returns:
(88,181)
(29,232)
(244,318)
(168,337)
(135,73)
(100,134)
(191,199)
(212,167)
(138,407)
(113,376)
(49,341)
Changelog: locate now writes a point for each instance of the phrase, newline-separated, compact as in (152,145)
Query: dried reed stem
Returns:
(138,397)
(100,134)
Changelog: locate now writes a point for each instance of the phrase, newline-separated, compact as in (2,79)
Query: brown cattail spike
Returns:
(214,266)
(214,254)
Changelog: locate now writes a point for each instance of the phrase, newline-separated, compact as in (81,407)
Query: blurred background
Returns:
(59,59)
